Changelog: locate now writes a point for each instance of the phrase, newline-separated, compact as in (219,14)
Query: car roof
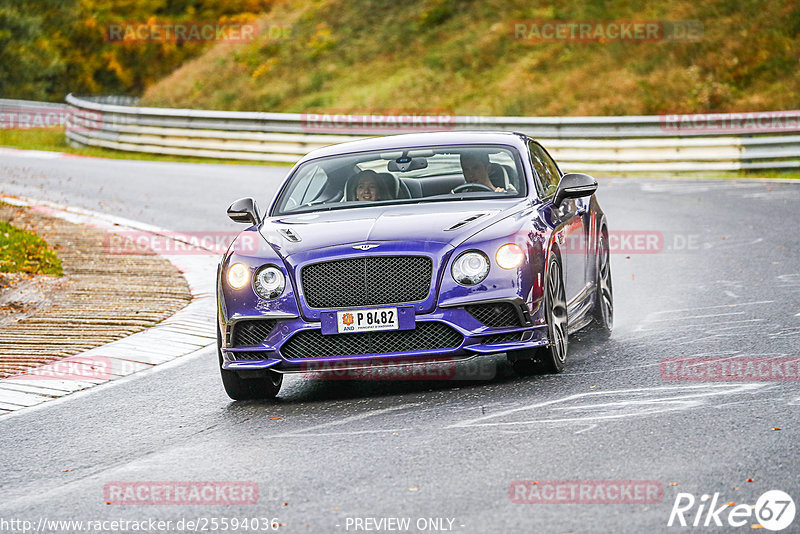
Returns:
(393,142)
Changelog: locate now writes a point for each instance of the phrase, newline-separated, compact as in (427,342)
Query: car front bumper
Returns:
(293,344)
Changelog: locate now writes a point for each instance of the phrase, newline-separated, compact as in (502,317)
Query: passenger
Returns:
(475,166)
(369,187)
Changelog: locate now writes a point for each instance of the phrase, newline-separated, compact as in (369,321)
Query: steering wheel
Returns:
(471,187)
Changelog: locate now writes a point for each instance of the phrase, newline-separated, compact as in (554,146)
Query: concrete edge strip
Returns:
(138,352)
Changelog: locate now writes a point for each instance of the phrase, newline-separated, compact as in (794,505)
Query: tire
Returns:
(549,359)
(603,312)
(238,388)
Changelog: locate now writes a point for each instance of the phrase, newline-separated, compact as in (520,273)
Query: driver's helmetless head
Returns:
(475,166)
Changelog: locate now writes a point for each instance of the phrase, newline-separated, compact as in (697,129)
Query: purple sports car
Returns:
(429,246)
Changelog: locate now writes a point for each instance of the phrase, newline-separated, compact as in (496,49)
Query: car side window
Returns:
(545,168)
(308,187)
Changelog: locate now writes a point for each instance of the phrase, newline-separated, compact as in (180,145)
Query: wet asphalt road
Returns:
(726,284)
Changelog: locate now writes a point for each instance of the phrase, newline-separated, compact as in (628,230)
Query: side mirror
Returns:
(574,185)
(244,210)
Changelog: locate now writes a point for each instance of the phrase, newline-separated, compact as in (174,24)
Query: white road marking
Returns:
(638,403)
(345,420)
(694,317)
(333,434)
(714,307)
(702,325)
(785,333)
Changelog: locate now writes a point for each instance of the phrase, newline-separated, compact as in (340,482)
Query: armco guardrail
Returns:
(769,140)
(31,114)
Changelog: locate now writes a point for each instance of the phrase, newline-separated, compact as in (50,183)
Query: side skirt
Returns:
(579,309)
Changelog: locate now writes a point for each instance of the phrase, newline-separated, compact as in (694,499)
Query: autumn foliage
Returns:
(49,48)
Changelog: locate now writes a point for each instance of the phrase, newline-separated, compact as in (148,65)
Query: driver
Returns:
(475,166)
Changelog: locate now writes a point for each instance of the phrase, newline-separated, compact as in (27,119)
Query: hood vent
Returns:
(469,219)
(290,234)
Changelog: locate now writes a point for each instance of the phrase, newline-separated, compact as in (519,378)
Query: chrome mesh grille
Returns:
(248,356)
(501,338)
(495,314)
(367,281)
(251,332)
(426,336)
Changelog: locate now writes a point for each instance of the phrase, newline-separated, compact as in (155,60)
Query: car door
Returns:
(569,220)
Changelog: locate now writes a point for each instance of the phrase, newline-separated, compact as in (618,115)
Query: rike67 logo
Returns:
(774,510)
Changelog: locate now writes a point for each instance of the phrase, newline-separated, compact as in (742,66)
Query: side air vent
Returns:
(290,234)
(252,332)
(469,219)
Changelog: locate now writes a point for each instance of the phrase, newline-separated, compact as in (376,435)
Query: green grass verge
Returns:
(25,252)
(54,140)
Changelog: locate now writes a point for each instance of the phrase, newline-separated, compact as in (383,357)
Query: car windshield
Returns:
(408,175)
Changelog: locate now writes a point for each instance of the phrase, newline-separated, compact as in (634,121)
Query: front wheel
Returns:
(238,388)
(549,359)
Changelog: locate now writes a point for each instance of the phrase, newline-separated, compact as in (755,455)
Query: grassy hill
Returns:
(461,56)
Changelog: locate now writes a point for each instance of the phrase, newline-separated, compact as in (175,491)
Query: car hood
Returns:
(445,223)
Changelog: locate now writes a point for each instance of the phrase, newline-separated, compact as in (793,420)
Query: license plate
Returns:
(367,320)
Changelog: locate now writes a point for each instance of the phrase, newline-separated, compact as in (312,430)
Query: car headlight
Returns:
(269,282)
(509,256)
(470,268)
(238,275)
